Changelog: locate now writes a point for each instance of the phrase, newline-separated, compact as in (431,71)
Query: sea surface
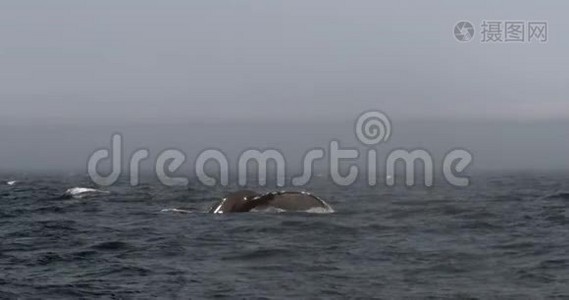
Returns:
(506,236)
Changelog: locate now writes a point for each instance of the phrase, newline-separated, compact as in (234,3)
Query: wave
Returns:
(177,210)
(81,192)
(312,210)
(558,195)
(320,210)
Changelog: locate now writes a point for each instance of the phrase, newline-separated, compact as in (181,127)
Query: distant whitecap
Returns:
(176,210)
(80,192)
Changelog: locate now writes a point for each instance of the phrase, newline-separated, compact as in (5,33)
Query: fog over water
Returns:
(288,75)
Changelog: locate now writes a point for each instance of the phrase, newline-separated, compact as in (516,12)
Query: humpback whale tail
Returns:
(245,201)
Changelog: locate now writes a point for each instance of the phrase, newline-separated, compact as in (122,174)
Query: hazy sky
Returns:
(191,60)
(98,63)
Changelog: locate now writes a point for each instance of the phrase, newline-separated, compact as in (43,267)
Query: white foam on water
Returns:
(320,210)
(176,210)
(313,210)
(79,192)
(218,209)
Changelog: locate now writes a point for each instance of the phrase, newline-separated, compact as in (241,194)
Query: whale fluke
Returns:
(234,202)
(245,201)
(294,201)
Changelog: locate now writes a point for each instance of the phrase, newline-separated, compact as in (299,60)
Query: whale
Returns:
(283,201)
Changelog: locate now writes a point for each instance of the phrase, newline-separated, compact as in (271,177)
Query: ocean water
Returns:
(506,236)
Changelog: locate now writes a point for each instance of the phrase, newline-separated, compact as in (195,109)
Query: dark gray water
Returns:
(506,236)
